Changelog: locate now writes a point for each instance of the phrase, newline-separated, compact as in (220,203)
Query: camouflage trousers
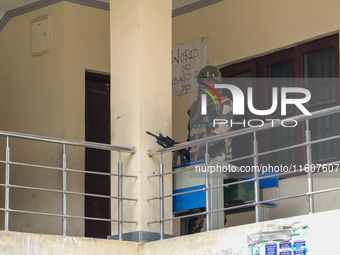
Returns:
(196,223)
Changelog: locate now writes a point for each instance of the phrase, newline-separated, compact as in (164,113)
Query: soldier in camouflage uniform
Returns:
(201,126)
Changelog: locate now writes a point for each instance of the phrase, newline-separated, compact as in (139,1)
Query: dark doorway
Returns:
(97,129)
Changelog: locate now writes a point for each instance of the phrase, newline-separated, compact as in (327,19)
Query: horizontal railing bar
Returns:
(62,169)
(30,165)
(249,204)
(283,149)
(179,217)
(91,218)
(303,170)
(29,212)
(322,191)
(252,155)
(242,181)
(97,195)
(229,208)
(322,139)
(32,188)
(68,142)
(299,145)
(202,189)
(67,192)
(281,198)
(254,203)
(173,172)
(178,194)
(192,168)
(223,209)
(100,173)
(244,131)
(67,216)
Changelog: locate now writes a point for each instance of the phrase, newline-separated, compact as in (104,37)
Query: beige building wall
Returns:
(241,30)
(44,95)
(32,102)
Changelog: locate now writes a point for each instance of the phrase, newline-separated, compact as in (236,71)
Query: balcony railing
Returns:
(65,170)
(255,156)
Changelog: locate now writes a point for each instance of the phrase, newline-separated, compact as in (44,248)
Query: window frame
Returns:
(258,68)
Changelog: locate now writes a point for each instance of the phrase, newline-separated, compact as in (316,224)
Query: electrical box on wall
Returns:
(40,33)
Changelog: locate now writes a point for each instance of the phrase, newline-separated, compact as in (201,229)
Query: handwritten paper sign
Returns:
(187,60)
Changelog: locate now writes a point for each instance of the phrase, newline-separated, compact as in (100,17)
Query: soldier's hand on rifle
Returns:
(195,151)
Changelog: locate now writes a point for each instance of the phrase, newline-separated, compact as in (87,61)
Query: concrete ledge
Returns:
(15,243)
(322,239)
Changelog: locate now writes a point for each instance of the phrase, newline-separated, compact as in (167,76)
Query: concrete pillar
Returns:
(140,102)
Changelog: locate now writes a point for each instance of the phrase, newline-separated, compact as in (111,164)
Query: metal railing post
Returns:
(256,181)
(161,193)
(207,191)
(309,172)
(120,196)
(7,185)
(64,190)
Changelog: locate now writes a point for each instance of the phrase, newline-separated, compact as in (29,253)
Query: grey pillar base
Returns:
(140,236)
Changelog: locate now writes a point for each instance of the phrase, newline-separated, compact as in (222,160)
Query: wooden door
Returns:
(97,129)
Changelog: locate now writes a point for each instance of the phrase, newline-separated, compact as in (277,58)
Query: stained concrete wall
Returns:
(32,102)
(21,243)
(322,239)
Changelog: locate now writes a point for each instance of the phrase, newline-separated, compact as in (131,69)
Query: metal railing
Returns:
(256,203)
(65,170)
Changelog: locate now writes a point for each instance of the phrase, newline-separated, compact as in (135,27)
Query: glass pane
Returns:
(281,70)
(321,89)
(321,66)
(280,137)
(245,140)
(321,128)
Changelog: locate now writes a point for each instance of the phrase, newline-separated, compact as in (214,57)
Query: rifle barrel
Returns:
(149,133)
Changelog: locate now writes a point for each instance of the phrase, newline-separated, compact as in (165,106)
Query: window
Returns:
(318,59)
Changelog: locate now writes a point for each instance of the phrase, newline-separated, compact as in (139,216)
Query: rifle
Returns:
(167,142)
